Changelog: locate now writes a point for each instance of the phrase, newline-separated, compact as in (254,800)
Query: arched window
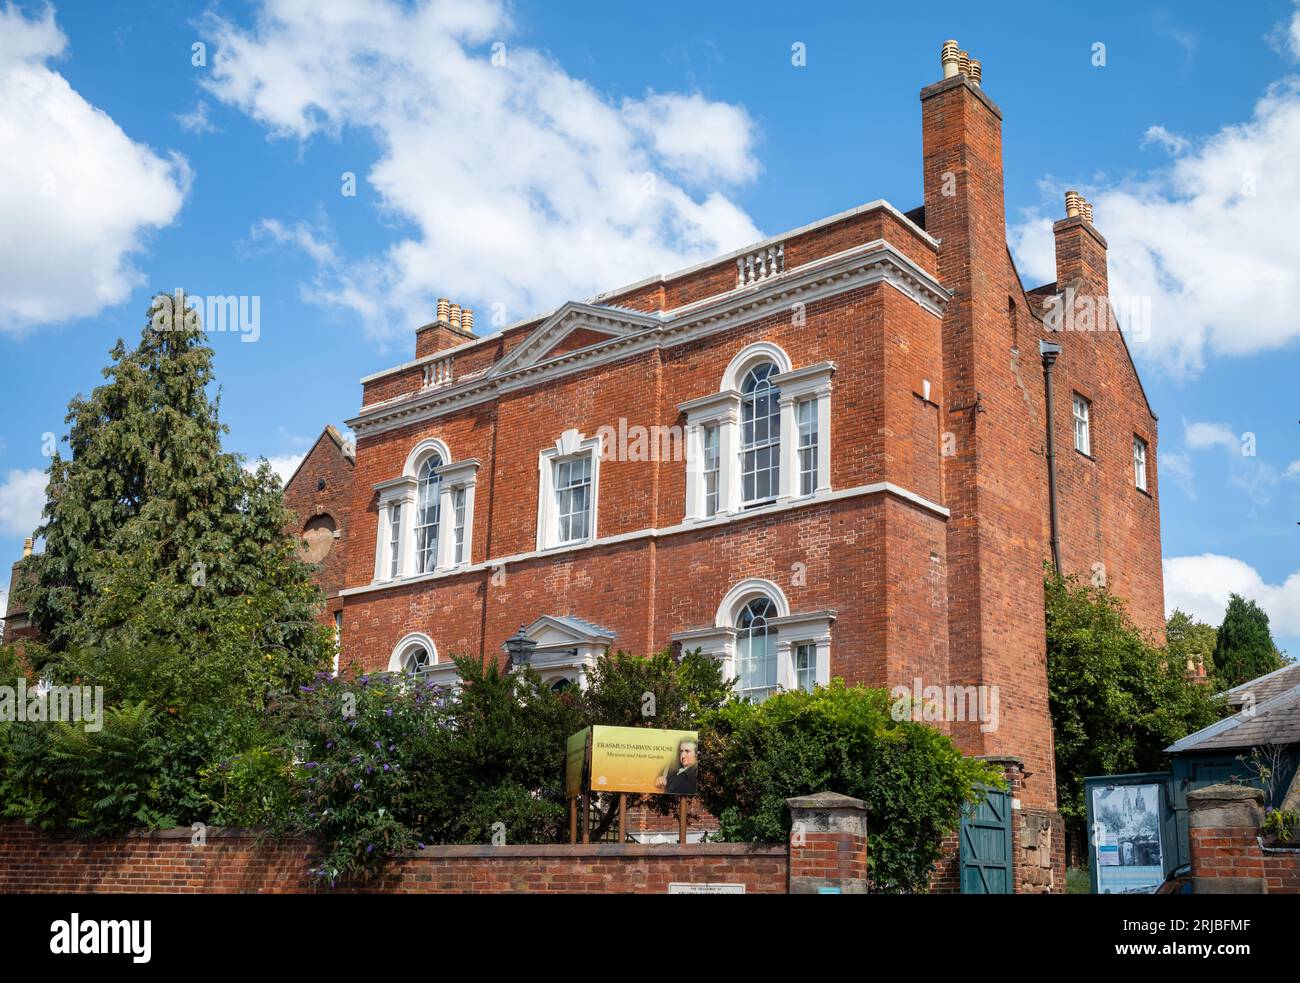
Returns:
(428,513)
(760,435)
(416,660)
(756,649)
(414,655)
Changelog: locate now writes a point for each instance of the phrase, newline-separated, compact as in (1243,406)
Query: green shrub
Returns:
(839,739)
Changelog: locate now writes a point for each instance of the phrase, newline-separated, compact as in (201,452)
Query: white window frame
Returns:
(1082,424)
(569,446)
(421,566)
(398,503)
(807,627)
(1141,450)
(771,445)
(723,410)
(441,672)
(801,650)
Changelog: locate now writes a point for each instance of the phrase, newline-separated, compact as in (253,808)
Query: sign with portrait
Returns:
(638,759)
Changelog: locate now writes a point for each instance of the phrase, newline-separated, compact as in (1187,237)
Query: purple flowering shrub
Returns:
(356,740)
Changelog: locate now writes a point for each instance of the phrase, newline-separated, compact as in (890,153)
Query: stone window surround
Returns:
(722,409)
(807,627)
(570,444)
(399,494)
(442,673)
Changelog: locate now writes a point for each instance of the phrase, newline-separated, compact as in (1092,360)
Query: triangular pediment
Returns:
(572,327)
(566,632)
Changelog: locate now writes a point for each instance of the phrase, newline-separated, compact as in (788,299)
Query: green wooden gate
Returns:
(986,846)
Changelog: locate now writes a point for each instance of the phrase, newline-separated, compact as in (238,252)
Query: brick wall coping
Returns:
(467,850)
(1226,793)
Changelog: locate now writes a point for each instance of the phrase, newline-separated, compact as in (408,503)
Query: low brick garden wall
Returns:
(1229,854)
(830,852)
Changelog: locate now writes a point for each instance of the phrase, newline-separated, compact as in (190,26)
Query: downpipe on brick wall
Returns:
(1049,352)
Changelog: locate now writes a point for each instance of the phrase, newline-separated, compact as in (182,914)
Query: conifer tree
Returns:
(154,535)
(1244,648)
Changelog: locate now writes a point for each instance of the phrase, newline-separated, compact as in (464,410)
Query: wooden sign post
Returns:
(681,819)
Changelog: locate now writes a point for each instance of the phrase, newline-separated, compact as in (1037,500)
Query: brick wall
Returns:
(827,849)
(234,861)
(1229,854)
(320,494)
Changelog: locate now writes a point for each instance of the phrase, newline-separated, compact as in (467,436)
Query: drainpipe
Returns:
(1049,351)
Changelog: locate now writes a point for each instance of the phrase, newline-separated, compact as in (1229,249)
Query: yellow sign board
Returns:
(638,759)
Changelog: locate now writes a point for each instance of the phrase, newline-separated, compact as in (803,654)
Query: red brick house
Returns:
(320,494)
(822,455)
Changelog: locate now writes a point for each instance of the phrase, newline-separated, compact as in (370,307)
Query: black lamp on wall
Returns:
(519,648)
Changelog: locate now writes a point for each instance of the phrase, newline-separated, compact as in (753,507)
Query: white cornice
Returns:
(877,488)
(599,299)
(868,263)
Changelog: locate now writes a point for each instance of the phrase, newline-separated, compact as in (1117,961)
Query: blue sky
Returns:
(501,155)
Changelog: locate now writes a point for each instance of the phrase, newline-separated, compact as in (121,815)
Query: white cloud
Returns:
(1209,238)
(1293,469)
(196,120)
(1171,142)
(523,185)
(22,498)
(67,170)
(283,465)
(1200,585)
(1285,38)
(1199,436)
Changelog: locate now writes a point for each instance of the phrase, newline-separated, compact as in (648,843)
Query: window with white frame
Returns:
(428,513)
(1140,463)
(1082,437)
(762,644)
(805,666)
(411,540)
(416,660)
(458,506)
(394,541)
(568,491)
(712,466)
(573,498)
(807,418)
(763,438)
(760,436)
(756,650)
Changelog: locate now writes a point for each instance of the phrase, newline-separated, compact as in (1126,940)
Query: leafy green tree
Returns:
(755,756)
(625,690)
(153,533)
(1116,702)
(1188,639)
(169,579)
(1244,648)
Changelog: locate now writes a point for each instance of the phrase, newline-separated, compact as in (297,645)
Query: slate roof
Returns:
(1270,719)
(582,626)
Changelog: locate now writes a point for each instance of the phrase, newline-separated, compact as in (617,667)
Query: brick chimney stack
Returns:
(453,327)
(27,547)
(989,555)
(1080,249)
